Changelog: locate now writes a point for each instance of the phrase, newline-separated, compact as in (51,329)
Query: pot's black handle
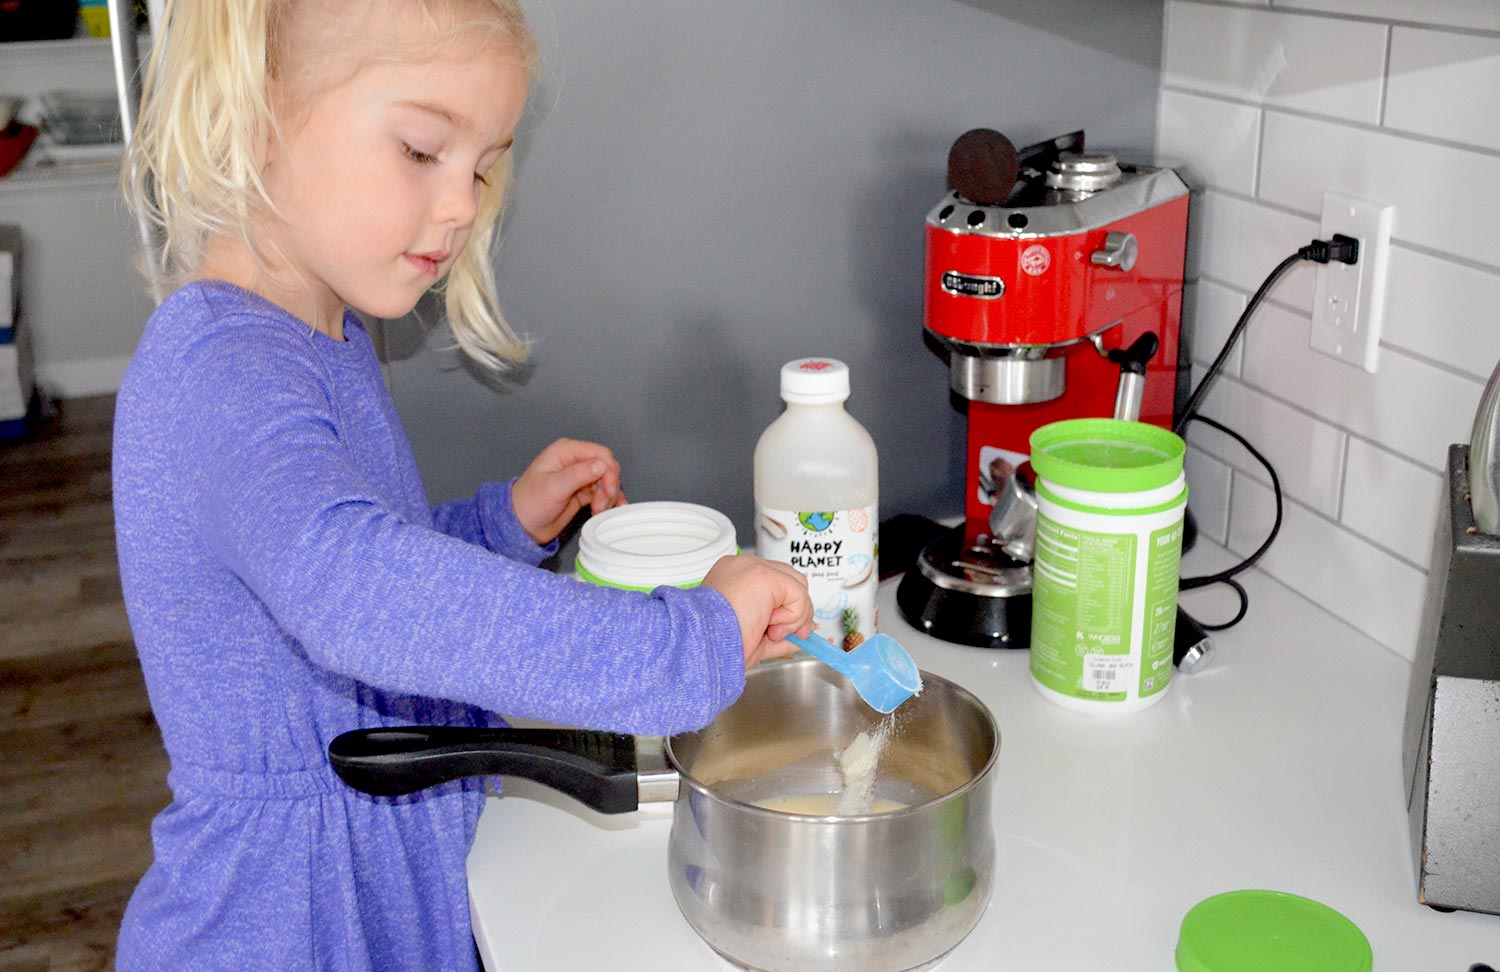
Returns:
(597,768)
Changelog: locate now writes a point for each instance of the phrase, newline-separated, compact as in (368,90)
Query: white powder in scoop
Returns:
(858,762)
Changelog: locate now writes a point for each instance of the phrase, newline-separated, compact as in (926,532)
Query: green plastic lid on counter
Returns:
(1269,931)
(1107,455)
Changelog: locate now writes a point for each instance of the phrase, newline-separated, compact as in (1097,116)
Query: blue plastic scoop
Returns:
(882,671)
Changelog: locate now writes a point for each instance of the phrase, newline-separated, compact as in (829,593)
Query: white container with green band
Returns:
(1110,503)
(643,546)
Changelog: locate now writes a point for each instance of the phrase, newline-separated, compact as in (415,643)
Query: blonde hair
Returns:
(206,119)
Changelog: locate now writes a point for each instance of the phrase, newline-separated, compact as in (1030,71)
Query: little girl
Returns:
(285,576)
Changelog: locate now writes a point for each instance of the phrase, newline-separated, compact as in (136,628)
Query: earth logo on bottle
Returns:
(816,522)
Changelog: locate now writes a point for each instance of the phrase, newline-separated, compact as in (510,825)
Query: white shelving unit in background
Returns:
(28,69)
(82,301)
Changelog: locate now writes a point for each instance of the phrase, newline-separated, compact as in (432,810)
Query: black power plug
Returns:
(1192,648)
(1341,249)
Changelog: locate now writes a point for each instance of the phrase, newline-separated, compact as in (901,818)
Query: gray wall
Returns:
(706,190)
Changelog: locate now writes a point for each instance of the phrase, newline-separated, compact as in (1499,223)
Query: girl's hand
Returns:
(566,477)
(770,599)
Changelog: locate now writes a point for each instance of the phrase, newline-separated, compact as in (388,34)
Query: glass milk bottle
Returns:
(816,486)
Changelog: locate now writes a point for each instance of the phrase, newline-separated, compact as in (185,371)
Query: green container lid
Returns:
(1106,455)
(1269,931)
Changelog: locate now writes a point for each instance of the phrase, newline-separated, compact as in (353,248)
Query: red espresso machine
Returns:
(1053,286)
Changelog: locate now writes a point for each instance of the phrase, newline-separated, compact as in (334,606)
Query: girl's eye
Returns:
(479,178)
(417,155)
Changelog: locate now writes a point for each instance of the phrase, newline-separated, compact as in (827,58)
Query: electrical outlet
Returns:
(1349,299)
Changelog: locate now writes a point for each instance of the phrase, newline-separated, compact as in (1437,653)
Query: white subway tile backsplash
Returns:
(1242,242)
(1445,85)
(1408,406)
(1443,311)
(1208,494)
(1475,14)
(1369,588)
(1390,501)
(1209,313)
(1316,64)
(1303,157)
(1308,455)
(1390,100)
(1217,139)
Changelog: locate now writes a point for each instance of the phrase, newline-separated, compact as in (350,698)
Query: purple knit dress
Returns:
(287,580)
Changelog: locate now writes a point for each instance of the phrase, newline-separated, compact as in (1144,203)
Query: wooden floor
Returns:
(82,770)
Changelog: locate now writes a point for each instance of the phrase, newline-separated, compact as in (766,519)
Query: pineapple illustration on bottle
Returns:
(849,620)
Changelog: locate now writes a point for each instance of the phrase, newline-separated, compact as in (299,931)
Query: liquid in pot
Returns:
(823,804)
(838,783)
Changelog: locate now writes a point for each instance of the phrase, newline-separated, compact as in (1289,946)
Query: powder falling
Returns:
(858,762)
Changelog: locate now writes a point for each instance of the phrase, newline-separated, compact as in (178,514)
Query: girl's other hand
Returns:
(769,598)
(566,477)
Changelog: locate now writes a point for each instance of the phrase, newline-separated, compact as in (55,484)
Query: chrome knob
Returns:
(1119,252)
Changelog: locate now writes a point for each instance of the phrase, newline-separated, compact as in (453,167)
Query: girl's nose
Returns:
(457,202)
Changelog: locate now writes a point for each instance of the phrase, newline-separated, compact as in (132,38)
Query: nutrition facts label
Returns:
(1106,574)
(1082,592)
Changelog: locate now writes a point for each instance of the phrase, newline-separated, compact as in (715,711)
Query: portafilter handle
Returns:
(1013,520)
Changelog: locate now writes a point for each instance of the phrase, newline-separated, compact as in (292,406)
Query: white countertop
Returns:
(1279,766)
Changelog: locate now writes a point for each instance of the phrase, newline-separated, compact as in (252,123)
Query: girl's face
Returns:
(377,178)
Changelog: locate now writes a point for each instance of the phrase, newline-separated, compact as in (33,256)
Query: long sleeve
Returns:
(489,520)
(370,594)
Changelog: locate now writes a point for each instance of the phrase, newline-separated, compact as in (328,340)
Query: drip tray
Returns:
(968,595)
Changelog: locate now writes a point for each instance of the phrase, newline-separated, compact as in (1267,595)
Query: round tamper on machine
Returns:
(1269,931)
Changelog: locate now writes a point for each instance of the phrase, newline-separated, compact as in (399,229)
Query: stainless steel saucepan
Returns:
(769,889)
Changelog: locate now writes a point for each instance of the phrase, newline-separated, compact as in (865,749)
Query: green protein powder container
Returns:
(1110,502)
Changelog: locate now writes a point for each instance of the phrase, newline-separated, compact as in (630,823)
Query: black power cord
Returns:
(1226,576)
(1341,248)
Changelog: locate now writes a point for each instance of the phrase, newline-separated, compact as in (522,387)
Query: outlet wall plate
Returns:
(1349,300)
